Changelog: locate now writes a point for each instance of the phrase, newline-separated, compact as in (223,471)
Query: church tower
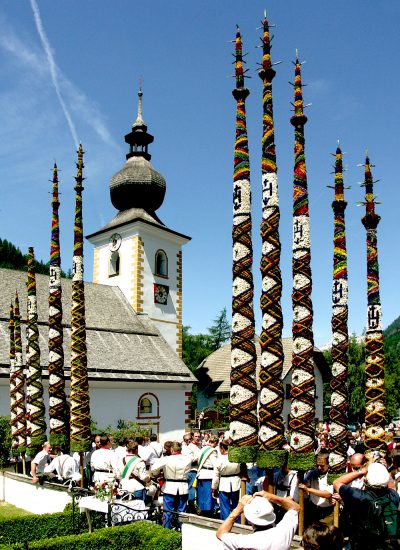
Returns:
(135,250)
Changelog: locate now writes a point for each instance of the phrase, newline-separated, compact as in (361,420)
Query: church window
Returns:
(145,406)
(113,268)
(148,406)
(161,263)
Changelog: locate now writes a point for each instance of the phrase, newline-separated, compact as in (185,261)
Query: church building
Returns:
(135,250)
(133,308)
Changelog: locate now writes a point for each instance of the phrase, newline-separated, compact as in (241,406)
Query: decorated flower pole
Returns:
(35,411)
(243,395)
(80,411)
(374,353)
(20,404)
(302,412)
(13,382)
(340,337)
(271,429)
(57,401)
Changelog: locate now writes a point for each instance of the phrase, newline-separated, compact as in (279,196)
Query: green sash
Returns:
(203,457)
(128,465)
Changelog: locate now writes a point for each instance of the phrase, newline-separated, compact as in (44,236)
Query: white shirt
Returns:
(41,460)
(277,538)
(226,475)
(64,466)
(286,485)
(137,469)
(176,468)
(206,470)
(156,451)
(321,483)
(104,459)
(193,452)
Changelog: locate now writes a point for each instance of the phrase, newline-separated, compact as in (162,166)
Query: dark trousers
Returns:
(173,503)
(227,502)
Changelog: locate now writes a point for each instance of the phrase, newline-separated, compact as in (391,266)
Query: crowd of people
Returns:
(195,475)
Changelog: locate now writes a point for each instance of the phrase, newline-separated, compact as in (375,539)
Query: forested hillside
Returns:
(356,380)
(11,257)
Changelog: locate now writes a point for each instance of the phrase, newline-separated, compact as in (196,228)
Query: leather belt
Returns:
(177,480)
(104,471)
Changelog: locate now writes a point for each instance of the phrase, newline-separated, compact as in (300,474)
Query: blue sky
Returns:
(75,69)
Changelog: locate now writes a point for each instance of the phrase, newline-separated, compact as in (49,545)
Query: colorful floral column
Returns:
(13,382)
(243,396)
(36,423)
(374,353)
(270,404)
(20,404)
(57,402)
(340,337)
(302,413)
(80,411)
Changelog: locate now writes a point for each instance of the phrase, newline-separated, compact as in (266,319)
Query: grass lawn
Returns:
(8,511)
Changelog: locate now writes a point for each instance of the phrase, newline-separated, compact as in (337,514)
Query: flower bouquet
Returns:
(106,490)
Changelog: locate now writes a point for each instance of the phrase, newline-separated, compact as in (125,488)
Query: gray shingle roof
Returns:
(121,344)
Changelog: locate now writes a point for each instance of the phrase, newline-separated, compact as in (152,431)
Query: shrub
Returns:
(33,528)
(5,440)
(143,535)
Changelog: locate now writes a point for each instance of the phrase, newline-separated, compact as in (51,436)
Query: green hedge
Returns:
(143,535)
(37,527)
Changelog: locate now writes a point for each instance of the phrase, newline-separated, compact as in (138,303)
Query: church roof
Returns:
(214,372)
(132,215)
(121,344)
(138,184)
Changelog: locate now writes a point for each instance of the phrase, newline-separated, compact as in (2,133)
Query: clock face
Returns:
(115,242)
(160,294)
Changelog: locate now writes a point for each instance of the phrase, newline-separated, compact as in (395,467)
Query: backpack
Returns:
(382,518)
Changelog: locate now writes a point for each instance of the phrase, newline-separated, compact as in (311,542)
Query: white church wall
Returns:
(108,405)
(113,401)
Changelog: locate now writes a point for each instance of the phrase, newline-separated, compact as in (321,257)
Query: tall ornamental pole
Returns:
(20,400)
(374,352)
(80,411)
(13,383)
(340,336)
(270,405)
(59,429)
(302,412)
(36,423)
(243,395)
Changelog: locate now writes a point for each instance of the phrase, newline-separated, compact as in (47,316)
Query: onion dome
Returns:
(138,184)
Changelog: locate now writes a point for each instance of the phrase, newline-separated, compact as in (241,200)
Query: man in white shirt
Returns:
(40,461)
(156,449)
(64,467)
(320,505)
(175,489)
(205,472)
(104,462)
(192,450)
(134,475)
(259,512)
(226,480)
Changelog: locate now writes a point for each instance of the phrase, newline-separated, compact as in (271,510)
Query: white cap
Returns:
(259,512)
(377,475)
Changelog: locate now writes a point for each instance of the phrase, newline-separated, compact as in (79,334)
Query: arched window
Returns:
(161,264)
(148,406)
(113,267)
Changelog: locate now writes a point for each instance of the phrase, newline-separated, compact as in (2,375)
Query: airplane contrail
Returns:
(53,69)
